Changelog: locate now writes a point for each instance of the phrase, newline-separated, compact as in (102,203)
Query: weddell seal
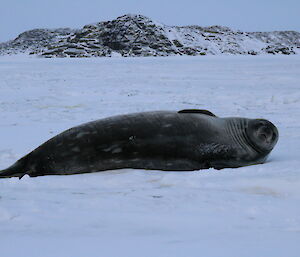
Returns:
(159,140)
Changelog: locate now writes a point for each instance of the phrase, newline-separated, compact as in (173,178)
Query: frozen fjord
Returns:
(250,211)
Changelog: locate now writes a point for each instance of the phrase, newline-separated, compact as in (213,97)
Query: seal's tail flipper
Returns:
(16,170)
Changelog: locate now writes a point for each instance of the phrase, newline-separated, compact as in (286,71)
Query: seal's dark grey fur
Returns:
(160,140)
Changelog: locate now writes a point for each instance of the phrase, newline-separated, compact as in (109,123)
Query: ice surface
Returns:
(249,211)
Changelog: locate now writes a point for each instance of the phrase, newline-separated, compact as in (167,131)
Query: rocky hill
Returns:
(137,35)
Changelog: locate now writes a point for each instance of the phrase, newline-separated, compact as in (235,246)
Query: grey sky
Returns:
(17,16)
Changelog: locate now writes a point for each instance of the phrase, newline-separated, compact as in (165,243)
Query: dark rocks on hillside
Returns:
(127,35)
(137,35)
(34,41)
(279,49)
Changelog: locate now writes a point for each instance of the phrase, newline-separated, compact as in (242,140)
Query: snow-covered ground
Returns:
(244,212)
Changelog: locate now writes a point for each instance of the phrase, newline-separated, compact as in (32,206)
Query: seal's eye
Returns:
(263,134)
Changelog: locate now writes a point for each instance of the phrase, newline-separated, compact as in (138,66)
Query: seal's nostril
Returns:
(264,136)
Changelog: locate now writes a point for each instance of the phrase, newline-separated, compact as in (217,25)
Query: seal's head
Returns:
(263,135)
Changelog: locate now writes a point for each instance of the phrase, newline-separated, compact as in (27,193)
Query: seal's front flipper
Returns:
(206,112)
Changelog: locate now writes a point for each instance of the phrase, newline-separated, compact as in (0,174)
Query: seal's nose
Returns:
(267,131)
(263,134)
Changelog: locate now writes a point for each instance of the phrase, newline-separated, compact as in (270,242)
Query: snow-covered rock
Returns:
(137,35)
(35,41)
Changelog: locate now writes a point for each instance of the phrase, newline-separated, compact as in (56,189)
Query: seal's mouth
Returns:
(263,134)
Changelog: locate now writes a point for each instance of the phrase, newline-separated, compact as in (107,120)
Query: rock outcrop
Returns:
(35,41)
(137,35)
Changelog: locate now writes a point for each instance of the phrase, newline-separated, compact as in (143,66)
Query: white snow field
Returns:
(246,212)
